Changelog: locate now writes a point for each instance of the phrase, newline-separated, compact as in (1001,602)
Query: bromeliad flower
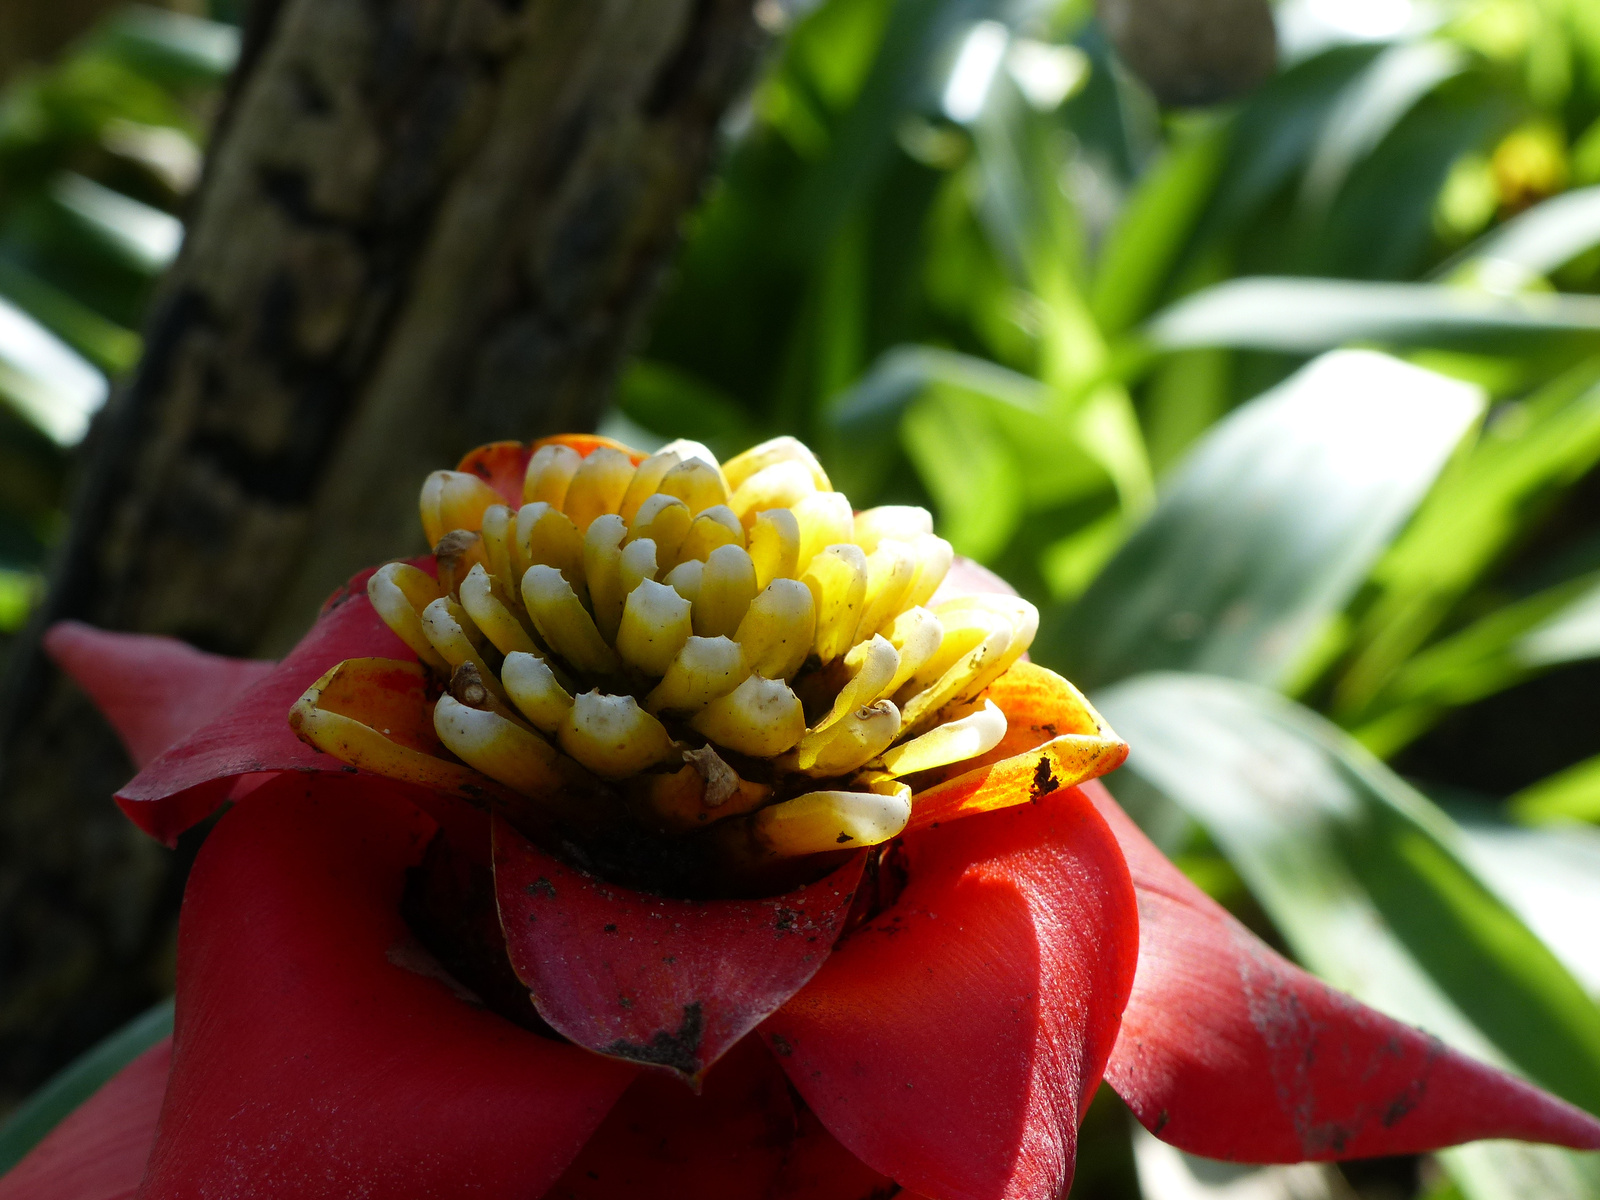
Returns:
(674,829)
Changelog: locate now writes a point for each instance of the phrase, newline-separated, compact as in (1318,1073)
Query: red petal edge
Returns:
(1230,1051)
(954,1042)
(187,782)
(664,982)
(318,1052)
(99,1151)
(155,691)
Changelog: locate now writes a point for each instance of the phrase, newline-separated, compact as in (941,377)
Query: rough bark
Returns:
(424,223)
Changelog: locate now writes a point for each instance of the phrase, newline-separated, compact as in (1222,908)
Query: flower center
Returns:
(728,651)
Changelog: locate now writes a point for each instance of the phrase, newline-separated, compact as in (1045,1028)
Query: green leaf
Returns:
(1569,795)
(74,1084)
(1547,236)
(1524,459)
(1370,884)
(1369,108)
(974,478)
(109,346)
(19,592)
(1154,228)
(170,46)
(1270,524)
(1551,877)
(673,403)
(1558,625)
(44,380)
(918,35)
(1305,316)
(141,237)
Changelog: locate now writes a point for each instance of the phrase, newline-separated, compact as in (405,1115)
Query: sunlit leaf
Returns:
(1545,237)
(144,238)
(173,46)
(1369,108)
(1268,526)
(1525,459)
(44,379)
(109,346)
(976,482)
(1304,316)
(1551,877)
(1557,625)
(1154,227)
(1569,795)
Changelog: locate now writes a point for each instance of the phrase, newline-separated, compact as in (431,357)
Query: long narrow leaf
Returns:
(1269,525)
(1480,508)
(1546,236)
(1305,316)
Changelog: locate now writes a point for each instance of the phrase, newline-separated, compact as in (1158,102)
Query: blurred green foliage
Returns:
(97,155)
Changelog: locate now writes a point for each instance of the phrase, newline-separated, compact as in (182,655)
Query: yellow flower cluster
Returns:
(718,639)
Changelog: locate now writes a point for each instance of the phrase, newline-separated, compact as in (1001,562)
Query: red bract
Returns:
(949,1043)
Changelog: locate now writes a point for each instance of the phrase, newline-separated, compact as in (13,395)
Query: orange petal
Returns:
(501,465)
(585,444)
(1054,739)
(377,714)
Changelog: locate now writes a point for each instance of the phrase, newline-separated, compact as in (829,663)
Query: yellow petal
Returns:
(613,736)
(499,544)
(821,821)
(546,535)
(782,485)
(664,520)
(550,472)
(375,714)
(445,623)
(872,667)
(778,629)
(775,546)
(954,741)
(934,557)
(501,749)
(698,484)
(760,717)
(646,481)
(825,519)
(837,578)
(454,500)
(598,486)
(564,623)
(399,592)
(487,605)
(535,690)
(899,522)
(891,570)
(602,572)
(717,526)
(849,743)
(769,453)
(655,624)
(727,586)
(703,670)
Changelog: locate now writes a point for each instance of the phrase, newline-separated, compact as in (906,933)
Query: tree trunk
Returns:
(424,223)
